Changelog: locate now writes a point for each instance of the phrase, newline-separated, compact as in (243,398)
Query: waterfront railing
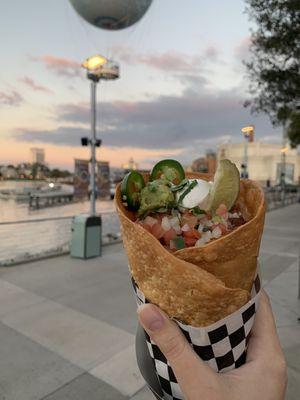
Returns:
(31,239)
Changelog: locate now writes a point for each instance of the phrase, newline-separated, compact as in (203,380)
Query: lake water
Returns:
(21,241)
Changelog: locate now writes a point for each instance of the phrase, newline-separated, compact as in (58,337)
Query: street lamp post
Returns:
(247,131)
(282,177)
(98,67)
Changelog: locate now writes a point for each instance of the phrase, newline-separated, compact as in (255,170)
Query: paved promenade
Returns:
(67,326)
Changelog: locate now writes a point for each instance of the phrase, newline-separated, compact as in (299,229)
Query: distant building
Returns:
(37,156)
(131,165)
(205,164)
(264,160)
(24,170)
(8,172)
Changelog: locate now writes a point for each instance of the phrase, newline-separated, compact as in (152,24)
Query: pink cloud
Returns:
(211,53)
(170,61)
(34,86)
(60,65)
(12,98)
(241,50)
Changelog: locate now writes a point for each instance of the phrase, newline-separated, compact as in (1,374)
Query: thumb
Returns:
(188,368)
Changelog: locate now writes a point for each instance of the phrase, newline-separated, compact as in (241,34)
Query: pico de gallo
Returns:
(182,212)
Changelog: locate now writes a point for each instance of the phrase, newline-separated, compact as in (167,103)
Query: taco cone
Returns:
(197,285)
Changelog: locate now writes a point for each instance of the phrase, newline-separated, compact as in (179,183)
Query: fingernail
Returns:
(150,317)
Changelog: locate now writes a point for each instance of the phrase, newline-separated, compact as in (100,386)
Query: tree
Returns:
(294,128)
(274,66)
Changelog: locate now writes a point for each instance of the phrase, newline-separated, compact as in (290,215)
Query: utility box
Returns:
(86,236)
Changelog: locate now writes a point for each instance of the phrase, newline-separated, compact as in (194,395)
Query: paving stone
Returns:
(284,316)
(293,387)
(13,298)
(83,340)
(292,354)
(28,370)
(121,371)
(284,289)
(274,266)
(60,275)
(144,394)
(289,336)
(110,300)
(86,387)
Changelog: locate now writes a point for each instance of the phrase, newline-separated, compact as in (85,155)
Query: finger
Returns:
(187,366)
(264,339)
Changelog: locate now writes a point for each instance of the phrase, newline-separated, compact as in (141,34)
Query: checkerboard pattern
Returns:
(221,345)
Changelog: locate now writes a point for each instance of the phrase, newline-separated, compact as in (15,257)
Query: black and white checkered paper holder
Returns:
(221,345)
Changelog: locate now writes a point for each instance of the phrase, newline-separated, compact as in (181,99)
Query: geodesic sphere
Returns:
(111,14)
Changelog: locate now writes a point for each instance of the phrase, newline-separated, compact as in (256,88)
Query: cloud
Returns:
(12,98)
(212,53)
(169,61)
(191,121)
(172,61)
(60,65)
(241,50)
(34,86)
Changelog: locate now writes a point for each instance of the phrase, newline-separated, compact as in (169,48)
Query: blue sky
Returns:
(181,89)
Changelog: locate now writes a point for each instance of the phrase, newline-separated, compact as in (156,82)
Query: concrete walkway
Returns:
(67,326)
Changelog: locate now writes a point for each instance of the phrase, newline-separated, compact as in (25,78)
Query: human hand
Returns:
(263,375)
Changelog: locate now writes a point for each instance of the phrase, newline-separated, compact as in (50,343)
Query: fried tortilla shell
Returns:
(195,285)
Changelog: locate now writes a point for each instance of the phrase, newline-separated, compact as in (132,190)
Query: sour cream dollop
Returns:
(198,196)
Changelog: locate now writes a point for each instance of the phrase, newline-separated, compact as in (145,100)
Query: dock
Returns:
(41,200)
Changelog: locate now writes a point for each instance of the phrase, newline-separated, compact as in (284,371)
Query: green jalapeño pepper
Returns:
(131,187)
(170,170)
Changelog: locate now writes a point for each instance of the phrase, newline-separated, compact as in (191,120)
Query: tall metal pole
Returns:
(246,156)
(283,164)
(93,147)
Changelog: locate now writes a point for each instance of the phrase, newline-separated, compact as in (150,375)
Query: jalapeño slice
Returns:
(131,187)
(170,170)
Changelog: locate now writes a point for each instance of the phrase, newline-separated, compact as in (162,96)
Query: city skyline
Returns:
(181,89)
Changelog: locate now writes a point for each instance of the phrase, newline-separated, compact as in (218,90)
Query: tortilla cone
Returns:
(197,286)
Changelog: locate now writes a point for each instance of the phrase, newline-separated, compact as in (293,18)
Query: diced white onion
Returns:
(200,243)
(234,215)
(200,228)
(150,221)
(216,233)
(185,228)
(165,224)
(206,236)
(174,221)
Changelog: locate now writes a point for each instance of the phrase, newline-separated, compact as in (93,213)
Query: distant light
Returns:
(284,150)
(248,129)
(92,64)
(51,185)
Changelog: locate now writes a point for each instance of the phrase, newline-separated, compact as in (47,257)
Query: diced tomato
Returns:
(189,241)
(189,219)
(157,230)
(223,228)
(193,233)
(169,235)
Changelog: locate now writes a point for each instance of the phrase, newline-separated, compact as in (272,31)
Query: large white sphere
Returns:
(111,14)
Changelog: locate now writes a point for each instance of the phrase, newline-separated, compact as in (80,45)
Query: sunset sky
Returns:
(181,89)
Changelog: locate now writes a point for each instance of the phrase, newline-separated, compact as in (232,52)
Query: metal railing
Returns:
(31,239)
(277,197)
